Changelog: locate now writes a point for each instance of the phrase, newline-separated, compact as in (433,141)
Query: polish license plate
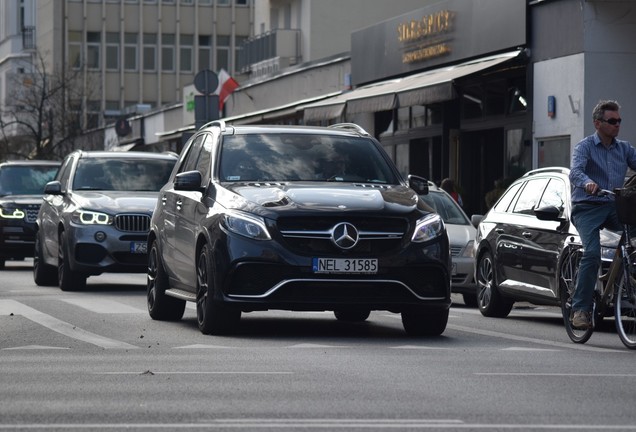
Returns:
(345,265)
(139,247)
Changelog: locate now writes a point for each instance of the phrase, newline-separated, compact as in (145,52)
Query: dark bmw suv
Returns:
(295,218)
(95,216)
(21,188)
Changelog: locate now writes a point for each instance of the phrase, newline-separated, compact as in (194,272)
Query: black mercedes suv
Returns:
(21,189)
(295,218)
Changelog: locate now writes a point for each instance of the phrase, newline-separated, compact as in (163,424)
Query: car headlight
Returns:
(12,213)
(469,250)
(428,228)
(87,217)
(607,254)
(246,225)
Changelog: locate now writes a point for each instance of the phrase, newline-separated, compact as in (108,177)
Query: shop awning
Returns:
(418,89)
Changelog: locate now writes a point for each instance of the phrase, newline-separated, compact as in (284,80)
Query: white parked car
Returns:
(461,234)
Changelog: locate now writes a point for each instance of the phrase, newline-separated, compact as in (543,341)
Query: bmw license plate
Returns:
(345,265)
(139,247)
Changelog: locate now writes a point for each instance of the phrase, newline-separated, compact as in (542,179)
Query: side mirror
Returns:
(418,184)
(548,213)
(476,219)
(188,181)
(53,188)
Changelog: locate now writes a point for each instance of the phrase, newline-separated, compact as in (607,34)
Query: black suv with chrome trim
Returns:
(295,218)
(21,187)
(96,214)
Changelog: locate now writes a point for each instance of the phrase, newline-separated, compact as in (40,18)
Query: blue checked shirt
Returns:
(606,167)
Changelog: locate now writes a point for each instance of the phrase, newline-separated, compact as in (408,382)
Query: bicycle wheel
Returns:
(625,309)
(567,282)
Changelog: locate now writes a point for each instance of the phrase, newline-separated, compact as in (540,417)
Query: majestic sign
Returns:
(446,32)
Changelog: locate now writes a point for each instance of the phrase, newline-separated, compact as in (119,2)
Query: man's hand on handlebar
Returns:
(591,188)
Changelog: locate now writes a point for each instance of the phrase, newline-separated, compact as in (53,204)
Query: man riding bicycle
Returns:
(599,161)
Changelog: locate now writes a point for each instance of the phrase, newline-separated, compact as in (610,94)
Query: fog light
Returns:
(100,236)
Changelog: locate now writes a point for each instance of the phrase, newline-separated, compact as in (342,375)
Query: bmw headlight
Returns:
(87,217)
(11,213)
(246,225)
(428,228)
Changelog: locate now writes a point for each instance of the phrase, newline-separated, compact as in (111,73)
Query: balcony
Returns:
(280,48)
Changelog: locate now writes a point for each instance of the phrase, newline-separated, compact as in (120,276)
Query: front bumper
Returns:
(115,252)
(265,275)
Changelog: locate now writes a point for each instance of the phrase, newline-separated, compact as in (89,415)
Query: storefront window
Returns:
(518,154)
(404,116)
(495,92)
(554,152)
(418,114)
(472,102)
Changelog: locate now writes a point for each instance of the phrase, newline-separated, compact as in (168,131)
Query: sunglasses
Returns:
(612,121)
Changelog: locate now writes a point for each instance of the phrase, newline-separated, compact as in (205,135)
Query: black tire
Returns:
(424,322)
(213,316)
(625,310)
(352,315)
(470,300)
(160,306)
(43,274)
(67,279)
(567,282)
(489,300)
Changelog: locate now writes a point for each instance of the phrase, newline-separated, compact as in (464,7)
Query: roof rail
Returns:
(219,123)
(350,126)
(554,169)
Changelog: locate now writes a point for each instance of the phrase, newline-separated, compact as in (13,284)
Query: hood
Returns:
(328,197)
(20,199)
(460,235)
(117,201)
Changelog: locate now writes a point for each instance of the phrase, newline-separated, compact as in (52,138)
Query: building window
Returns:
(92,114)
(223,53)
(185,53)
(150,52)
(75,49)
(167,52)
(205,52)
(93,40)
(403,118)
(112,51)
(130,52)
(554,152)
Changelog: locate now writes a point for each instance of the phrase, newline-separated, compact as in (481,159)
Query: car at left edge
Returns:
(96,215)
(21,187)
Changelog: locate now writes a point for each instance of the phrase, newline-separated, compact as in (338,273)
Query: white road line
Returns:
(251,424)
(531,340)
(103,306)
(8,307)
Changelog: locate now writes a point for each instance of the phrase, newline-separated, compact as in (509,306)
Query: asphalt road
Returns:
(94,360)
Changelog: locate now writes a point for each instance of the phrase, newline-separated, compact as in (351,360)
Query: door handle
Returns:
(526,234)
(499,230)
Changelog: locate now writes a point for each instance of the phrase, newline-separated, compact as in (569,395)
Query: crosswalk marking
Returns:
(8,307)
(103,306)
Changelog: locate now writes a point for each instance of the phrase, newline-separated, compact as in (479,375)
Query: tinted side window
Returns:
(507,198)
(530,196)
(554,194)
(190,161)
(205,156)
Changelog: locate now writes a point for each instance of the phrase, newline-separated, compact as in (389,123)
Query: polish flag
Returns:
(227,85)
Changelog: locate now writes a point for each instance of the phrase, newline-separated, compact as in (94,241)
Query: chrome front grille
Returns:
(132,222)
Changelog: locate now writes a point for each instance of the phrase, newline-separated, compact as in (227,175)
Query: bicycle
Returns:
(615,292)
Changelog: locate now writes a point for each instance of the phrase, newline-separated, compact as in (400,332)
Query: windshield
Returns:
(446,207)
(26,179)
(298,157)
(120,174)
